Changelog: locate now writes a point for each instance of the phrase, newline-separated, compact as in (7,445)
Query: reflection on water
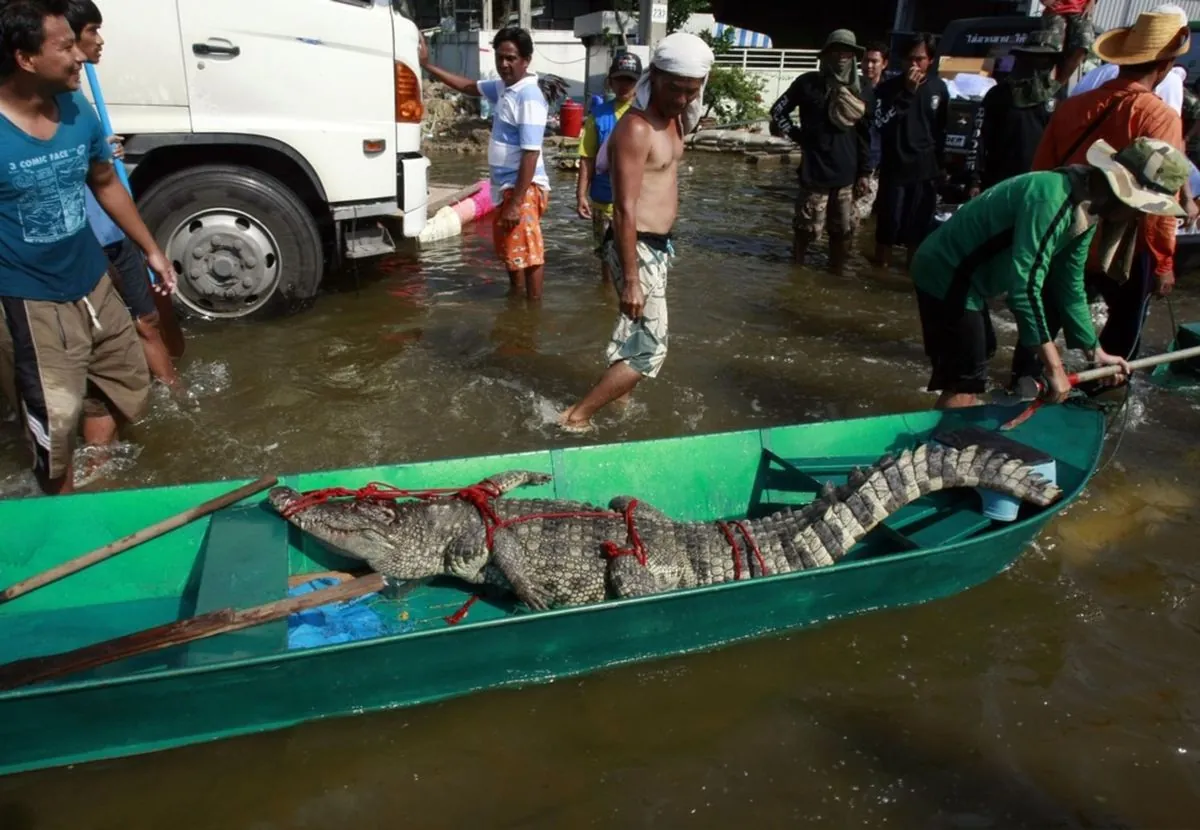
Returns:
(1061,694)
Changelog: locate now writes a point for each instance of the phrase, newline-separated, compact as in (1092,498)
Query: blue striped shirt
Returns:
(519,124)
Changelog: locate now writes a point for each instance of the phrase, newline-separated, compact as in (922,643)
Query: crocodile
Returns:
(552,553)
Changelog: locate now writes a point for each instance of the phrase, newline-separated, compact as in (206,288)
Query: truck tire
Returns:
(243,245)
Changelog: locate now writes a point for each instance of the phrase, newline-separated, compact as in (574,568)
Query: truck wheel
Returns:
(242,243)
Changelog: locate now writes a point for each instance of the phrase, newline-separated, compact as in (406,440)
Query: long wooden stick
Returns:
(134,539)
(37,669)
(1141,363)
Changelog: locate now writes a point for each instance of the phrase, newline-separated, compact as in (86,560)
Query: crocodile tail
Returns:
(841,517)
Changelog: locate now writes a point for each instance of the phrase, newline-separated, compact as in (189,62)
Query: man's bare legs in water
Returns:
(527,281)
(644,152)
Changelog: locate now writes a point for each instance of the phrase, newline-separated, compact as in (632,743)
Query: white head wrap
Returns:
(1172,8)
(680,54)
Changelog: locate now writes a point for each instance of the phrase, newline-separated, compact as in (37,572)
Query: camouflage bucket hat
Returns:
(1147,175)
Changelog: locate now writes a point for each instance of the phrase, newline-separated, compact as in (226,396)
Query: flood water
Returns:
(1063,693)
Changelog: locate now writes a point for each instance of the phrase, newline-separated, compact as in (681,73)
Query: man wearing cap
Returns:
(1028,238)
(643,154)
(1017,110)
(911,111)
(1120,111)
(593,192)
(834,135)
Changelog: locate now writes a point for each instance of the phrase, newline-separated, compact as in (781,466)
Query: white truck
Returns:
(266,140)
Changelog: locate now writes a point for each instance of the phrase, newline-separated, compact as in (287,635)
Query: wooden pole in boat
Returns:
(37,669)
(1095,374)
(1141,363)
(134,539)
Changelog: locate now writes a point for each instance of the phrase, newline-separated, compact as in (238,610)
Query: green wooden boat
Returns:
(1184,375)
(250,681)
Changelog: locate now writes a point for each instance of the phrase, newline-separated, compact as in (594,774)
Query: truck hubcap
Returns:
(228,263)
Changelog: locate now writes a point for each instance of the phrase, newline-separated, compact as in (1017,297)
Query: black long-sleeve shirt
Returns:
(1008,135)
(912,129)
(831,157)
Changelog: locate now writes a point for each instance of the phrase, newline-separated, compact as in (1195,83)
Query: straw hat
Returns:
(1154,37)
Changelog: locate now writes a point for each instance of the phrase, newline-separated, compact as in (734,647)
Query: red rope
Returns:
(737,558)
(377,491)
(636,547)
(751,545)
(762,565)
(461,613)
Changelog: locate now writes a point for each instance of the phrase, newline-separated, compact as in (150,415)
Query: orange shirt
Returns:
(1135,111)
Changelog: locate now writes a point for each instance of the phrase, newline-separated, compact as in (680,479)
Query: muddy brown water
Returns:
(1063,693)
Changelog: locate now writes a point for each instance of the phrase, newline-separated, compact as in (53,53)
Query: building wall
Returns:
(1110,14)
(555,52)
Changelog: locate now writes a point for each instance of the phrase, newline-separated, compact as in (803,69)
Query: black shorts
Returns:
(905,212)
(960,345)
(133,282)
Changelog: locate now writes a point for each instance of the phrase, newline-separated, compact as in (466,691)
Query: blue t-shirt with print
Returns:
(47,249)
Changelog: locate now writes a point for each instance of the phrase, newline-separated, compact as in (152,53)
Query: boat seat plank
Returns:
(959,525)
(245,564)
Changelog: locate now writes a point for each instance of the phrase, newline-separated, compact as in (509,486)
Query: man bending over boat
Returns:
(643,154)
(1032,231)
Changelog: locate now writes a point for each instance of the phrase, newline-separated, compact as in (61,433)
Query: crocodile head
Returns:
(393,538)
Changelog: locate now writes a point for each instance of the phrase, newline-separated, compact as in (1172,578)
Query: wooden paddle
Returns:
(37,669)
(167,321)
(134,539)
(1096,374)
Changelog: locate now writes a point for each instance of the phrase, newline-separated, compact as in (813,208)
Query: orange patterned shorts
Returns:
(522,247)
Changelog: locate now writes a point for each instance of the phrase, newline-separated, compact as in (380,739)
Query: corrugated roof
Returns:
(1109,14)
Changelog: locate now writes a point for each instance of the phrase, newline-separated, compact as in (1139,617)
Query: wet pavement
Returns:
(1063,693)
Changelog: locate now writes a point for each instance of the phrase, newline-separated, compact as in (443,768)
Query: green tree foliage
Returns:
(732,96)
(678,12)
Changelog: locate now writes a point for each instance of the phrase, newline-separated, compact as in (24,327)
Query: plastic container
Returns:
(1003,507)
(571,116)
(443,225)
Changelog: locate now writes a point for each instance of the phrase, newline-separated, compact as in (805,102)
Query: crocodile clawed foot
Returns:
(536,597)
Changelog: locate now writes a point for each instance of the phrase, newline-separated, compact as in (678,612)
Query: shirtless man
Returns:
(643,153)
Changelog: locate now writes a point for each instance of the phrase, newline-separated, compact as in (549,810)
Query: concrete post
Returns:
(652,22)
(487,23)
(525,14)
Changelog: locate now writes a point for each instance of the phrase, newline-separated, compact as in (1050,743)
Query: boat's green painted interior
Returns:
(244,555)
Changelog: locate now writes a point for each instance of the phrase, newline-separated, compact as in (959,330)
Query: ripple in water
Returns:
(91,465)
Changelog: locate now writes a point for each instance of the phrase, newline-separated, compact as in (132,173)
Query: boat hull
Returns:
(124,714)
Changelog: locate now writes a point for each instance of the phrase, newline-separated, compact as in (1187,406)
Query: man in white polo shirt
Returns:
(520,185)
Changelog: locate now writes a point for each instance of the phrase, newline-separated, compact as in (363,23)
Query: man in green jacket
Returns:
(1032,232)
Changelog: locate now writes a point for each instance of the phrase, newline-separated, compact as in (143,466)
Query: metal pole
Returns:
(487,23)
(525,14)
(652,22)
